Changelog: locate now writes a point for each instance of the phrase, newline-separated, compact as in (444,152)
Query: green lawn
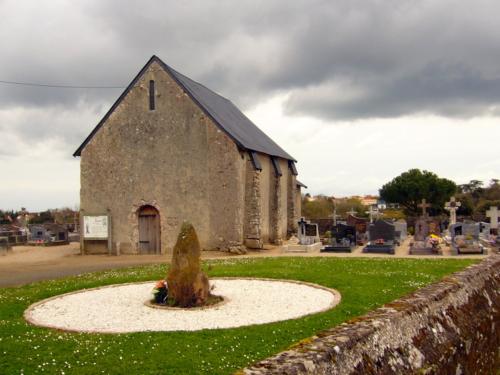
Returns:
(364,284)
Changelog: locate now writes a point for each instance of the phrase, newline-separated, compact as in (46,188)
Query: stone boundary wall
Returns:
(450,327)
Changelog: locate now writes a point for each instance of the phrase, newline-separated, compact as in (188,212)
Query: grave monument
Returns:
(373,213)
(401,230)
(343,239)
(382,236)
(308,238)
(452,206)
(426,236)
(465,239)
(361,227)
(492,213)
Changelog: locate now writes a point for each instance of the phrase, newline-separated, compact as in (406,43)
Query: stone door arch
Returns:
(149,230)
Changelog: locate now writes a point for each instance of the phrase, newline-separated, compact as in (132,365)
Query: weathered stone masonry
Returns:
(180,160)
(451,327)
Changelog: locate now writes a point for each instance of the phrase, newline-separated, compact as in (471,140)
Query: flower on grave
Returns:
(160,292)
(434,241)
(379,241)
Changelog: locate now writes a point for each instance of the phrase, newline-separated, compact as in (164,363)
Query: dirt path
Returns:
(27,264)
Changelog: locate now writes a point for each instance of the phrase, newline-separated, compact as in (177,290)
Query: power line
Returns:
(59,86)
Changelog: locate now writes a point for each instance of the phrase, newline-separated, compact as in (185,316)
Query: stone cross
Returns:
(452,206)
(352,212)
(424,206)
(302,227)
(492,213)
(371,213)
(335,216)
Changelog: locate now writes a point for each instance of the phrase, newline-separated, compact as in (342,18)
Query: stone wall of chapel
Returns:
(174,158)
(283,198)
(266,189)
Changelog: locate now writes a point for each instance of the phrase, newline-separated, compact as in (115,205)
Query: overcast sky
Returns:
(357,91)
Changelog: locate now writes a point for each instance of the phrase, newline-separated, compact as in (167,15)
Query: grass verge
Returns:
(363,283)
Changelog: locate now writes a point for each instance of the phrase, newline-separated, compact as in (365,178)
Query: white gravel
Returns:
(120,308)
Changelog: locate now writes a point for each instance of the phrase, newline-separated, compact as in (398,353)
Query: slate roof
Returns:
(300,184)
(222,111)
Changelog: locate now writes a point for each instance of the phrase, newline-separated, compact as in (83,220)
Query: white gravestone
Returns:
(372,213)
(492,213)
(335,217)
(452,206)
(352,212)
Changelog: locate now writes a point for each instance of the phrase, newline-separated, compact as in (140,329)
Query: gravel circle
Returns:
(121,308)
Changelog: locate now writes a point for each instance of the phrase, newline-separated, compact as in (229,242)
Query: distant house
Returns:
(170,150)
(369,200)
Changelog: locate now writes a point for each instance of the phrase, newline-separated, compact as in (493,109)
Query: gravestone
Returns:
(48,234)
(401,230)
(424,243)
(382,235)
(421,229)
(308,232)
(465,238)
(452,206)
(308,238)
(484,229)
(361,228)
(492,213)
(352,212)
(187,284)
(335,217)
(373,213)
(343,239)
(424,206)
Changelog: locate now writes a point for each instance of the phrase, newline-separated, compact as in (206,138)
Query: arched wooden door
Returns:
(149,230)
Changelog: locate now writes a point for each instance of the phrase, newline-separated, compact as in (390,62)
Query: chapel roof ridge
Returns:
(221,110)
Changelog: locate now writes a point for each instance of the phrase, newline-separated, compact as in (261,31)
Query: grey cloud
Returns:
(450,91)
(398,57)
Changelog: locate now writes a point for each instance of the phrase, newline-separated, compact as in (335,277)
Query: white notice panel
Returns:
(95,227)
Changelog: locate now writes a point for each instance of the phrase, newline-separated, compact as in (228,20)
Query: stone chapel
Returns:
(170,149)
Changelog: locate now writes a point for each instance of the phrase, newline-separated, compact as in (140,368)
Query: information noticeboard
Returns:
(95,227)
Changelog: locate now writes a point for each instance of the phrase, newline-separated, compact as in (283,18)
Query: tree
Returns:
(345,205)
(317,208)
(409,188)
(43,217)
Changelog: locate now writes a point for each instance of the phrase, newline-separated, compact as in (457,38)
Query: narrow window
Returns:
(151,95)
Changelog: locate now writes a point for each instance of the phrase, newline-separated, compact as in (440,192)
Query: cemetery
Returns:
(365,289)
(248,314)
(251,308)
(47,234)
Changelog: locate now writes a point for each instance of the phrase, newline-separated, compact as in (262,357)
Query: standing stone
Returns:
(187,284)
